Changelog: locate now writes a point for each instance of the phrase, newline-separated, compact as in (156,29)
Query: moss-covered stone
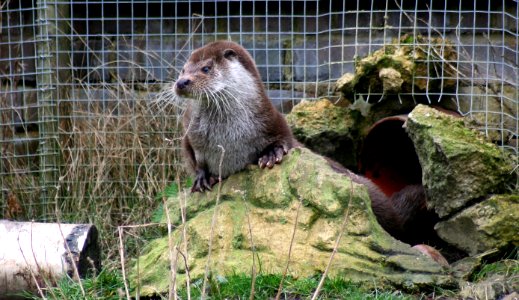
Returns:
(458,164)
(250,203)
(313,117)
(490,224)
(403,67)
(327,129)
(394,78)
(391,80)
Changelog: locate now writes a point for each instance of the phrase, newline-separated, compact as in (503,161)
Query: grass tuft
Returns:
(507,267)
(107,285)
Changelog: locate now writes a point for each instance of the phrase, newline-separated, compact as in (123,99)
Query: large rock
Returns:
(459,165)
(327,129)
(490,224)
(403,67)
(265,203)
(393,79)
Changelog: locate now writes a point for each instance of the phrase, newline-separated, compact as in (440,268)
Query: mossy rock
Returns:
(490,224)
(459,165)
(327,129)
(394,78)
(304,193)
(406,66)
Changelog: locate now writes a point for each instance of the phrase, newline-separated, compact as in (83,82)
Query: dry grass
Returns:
(116,157)
(115,165)
(117,149)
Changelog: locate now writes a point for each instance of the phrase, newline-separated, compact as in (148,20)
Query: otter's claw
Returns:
(272,156)
(203,181)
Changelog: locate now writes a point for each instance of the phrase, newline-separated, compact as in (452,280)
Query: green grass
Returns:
(506,268)
(239,287)
(107,285)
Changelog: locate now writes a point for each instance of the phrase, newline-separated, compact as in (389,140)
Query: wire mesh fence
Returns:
(79,127)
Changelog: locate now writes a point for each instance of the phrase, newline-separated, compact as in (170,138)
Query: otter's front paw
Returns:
(203,181)
(271,156)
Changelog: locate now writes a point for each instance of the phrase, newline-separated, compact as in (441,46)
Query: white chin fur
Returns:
(238,80)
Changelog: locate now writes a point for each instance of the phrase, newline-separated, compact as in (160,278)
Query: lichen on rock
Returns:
(304,193)
(490,224)
(459,165)
(404,66)
(391,80)
(327,129)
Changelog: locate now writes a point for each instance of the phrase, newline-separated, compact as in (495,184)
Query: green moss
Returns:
(455,137)
(309,119)
(265,202)
(458,163)
(407,39)
(149,269)
(197,245)
(409,58)
(389,49)
(389,62)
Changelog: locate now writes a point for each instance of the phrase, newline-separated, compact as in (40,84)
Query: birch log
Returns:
(35,255)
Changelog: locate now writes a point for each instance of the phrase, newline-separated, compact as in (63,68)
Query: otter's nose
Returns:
(183,83)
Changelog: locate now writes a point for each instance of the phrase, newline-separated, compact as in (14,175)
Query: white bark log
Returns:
(35,255)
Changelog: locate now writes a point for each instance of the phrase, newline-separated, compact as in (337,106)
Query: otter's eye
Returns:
(182,71)
(206,69)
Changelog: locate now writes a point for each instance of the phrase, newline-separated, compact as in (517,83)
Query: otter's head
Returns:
(221,71)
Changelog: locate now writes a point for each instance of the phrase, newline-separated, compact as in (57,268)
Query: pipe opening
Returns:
(388,157)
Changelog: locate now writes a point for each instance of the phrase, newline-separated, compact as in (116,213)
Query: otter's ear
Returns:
(228,53)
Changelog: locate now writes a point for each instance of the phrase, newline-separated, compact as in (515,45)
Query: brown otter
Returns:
(228,106)
(404,215)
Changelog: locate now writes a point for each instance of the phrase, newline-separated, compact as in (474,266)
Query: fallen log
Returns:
(34,256)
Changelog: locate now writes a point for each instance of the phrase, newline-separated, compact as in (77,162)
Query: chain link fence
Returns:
(79,125)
